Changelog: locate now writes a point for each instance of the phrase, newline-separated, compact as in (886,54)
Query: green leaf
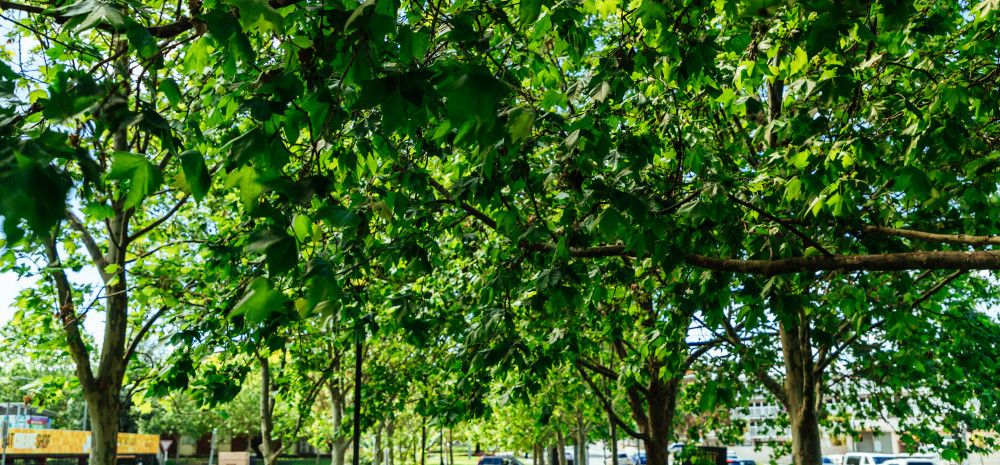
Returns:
(302,227)
(528,11)
(140,39)
(196,176)
(259,14)
(141,176)
(260,301)
(519,123)
(793,190)
(171,91)
(280,249)
(799,60)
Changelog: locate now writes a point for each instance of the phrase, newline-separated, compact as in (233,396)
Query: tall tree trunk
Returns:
(801,389)
(613,433)
(554,455)
(582,457)
(451,449)
(423,441)
(390,428)
(661,400)
(269,448)
(356,436)
(104,427)
(377,456)
(561,448)
(338,447)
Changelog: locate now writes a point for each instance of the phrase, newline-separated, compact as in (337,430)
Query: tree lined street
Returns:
(377,230)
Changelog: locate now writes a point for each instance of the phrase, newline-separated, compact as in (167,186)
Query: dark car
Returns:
(499,460)
(639,458)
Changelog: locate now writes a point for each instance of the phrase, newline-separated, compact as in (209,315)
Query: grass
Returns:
(461,458)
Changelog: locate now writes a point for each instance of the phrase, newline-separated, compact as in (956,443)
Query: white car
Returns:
(865,458)
(623,459)
(911,460)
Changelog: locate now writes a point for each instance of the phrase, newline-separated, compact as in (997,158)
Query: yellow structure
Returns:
(66,442)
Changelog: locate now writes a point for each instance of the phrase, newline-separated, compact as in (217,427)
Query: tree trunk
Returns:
(554,455)
(104,427)
(356,422)
(451,450)
(338,447)
(801,389)
(561,448)
(269,448)
(613,440)
(423,441)
(377,456)
(582,458)
(389,429)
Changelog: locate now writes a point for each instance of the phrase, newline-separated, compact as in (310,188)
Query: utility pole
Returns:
(211,449)
(3,458)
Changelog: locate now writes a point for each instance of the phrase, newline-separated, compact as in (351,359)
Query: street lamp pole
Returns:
(3,458)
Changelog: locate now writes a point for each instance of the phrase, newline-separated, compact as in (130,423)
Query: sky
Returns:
(11,286)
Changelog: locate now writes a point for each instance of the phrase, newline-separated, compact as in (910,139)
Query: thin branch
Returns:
(160,220)
(139,336)
(822,364)
(801,235)
(960,239)
(483,217)
(98,257)
(609,407)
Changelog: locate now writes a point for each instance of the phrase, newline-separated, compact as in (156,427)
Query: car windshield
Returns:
(491,461)
(878,459)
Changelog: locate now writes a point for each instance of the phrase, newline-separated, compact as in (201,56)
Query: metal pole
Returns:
(211,450)
(3,458)
(357,393)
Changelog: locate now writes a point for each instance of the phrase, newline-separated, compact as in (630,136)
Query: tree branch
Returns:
(609,407)
(483,217)
(599,369)
(151,226)
(940,260)
(960,239)
(67,313)
(163,31)
(98,257)
(801,235)
(823,363)
(137,339)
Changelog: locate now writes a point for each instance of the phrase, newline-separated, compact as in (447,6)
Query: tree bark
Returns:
(561,448)
(356,436)
(613,439)
(377,455)
(451,450)
(269,448)
(104,427)
(390,428)
(338,447)
(423,441)
(581,440)
(801,387)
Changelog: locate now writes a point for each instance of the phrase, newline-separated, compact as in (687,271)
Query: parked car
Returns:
(499,460)
(639,458)
(623,459)
(911,460)
(865,458)
(835,459)
(735,460)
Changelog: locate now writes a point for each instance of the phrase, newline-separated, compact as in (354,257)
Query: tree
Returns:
(691,140)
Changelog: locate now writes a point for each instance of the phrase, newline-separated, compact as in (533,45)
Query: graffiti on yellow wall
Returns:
(64,442)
